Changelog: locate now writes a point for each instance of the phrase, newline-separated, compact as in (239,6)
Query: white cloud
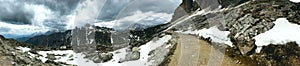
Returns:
(86,13)
(137,17)
(41,13)
(21,30)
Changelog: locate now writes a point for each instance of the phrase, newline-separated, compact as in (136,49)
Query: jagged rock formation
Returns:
(90,35)
(140,37)
(187,6)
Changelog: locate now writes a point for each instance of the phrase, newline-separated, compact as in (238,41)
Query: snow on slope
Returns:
(281,33)
(214,33)
(70,57)
(144,49)
(23,49)
(67,56)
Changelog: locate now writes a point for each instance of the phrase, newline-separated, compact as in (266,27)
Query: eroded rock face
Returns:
(212,4)
(184,8)
(188,6)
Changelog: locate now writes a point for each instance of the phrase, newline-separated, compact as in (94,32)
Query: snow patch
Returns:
(152,45)
(214,33)
(78,58)
(281,33)
(296,1)
(145,50)
(23,49)
(258,49)
(69,54)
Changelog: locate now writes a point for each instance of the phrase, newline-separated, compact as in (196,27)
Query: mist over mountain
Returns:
(35,17)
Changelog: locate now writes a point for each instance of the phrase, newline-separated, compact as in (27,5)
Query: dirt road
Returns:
(191,51)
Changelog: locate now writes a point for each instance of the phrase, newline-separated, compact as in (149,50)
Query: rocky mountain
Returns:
(188,6)
(225,27)
(14,53)
(244,20)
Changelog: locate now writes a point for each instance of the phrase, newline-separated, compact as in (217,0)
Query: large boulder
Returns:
(106,56)
(133,55)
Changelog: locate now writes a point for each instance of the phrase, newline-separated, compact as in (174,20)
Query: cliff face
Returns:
(188,6)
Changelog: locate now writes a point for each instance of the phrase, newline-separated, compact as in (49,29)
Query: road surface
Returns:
(192,51)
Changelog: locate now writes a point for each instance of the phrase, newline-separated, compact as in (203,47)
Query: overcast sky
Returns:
(39,16)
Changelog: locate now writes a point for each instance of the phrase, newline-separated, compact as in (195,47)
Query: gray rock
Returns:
(106,56)
(51,57)
(134,55)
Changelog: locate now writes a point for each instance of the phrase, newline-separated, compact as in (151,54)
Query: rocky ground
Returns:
(244,22)
(11,55)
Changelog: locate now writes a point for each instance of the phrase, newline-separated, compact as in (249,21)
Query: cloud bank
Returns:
(21,18)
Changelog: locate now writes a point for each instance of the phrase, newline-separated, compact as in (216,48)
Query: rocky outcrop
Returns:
(141,37)
(16,57)
(104,57)
(271,55)
(134,54)
(245,22)
(184,8)
(161,56)
(254,18)
(279,55)
(188,6)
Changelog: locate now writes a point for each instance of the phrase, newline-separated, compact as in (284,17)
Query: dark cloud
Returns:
(14,12)
(63,7)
